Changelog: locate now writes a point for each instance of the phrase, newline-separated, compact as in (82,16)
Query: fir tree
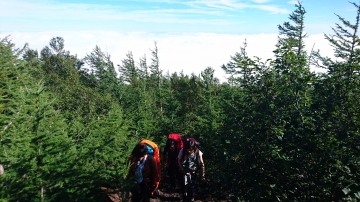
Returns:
(38,148)
(345,42)
(336,106)
(292,36)
(103,69)
(128,70)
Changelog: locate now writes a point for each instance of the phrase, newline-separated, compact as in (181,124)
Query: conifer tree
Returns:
(154,68)
(209,113)
(128,70)
(292,35)
(56,58)
(104,148)
(345,42)
(77,96)
(270,113)
(337,106)
(8,75)
(157,91)
(243,70)
(143,67)
(137,100)
(290,96)
(103,69)
(248,106)
(31,55)
(36,147)
(172,106)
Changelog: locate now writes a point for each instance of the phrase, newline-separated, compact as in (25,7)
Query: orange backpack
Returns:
(153,150)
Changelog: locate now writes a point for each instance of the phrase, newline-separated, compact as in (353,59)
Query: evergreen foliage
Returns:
(103,69)
(337,110)
(274,131)
(292,35)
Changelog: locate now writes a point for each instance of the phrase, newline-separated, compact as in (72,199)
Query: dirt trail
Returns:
(166,194)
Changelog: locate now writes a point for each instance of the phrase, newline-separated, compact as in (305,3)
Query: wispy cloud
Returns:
(72,11)
(54,11)
(106,12)
(260,1)
(235,5)
(292,2)
(215,4)
(271,9)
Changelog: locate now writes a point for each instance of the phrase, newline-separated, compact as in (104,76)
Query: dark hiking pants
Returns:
(174,176)
(140,193)
(189,188)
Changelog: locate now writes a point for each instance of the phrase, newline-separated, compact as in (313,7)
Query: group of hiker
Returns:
(182,159)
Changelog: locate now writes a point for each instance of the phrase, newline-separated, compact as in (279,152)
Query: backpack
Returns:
(154,155)
(177,139)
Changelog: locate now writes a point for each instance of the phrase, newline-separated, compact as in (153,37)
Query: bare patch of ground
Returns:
(166,194)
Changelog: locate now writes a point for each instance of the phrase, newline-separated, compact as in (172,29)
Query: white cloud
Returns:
(292,2)
(260,1)
(191,53)
(271,9)
(74,11)
(233,4)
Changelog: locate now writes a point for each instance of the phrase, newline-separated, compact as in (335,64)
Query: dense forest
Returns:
(274,131)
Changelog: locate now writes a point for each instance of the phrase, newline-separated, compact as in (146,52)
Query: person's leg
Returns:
(184,188)
(135,197)
(179,177)
(145,192)
(192,187)
(146,199)
(136,193)
(186,193)
(172,177)
(191,191)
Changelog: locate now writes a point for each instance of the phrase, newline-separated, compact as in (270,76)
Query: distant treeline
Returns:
(275,131)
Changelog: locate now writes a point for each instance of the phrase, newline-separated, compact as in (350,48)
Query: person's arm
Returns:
(154,175)
(202,167)
(179,159)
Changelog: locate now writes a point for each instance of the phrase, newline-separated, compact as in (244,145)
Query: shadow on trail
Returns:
(169,198)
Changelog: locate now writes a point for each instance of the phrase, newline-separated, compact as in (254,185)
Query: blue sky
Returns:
(159,16)
(190,34)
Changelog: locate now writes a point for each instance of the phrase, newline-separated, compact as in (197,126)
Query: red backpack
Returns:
(177,139)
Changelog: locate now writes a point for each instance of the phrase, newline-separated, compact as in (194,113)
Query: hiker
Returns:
(171,151)
(190,161)
(144,170)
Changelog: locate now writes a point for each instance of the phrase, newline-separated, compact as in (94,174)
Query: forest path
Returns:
(167,194)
